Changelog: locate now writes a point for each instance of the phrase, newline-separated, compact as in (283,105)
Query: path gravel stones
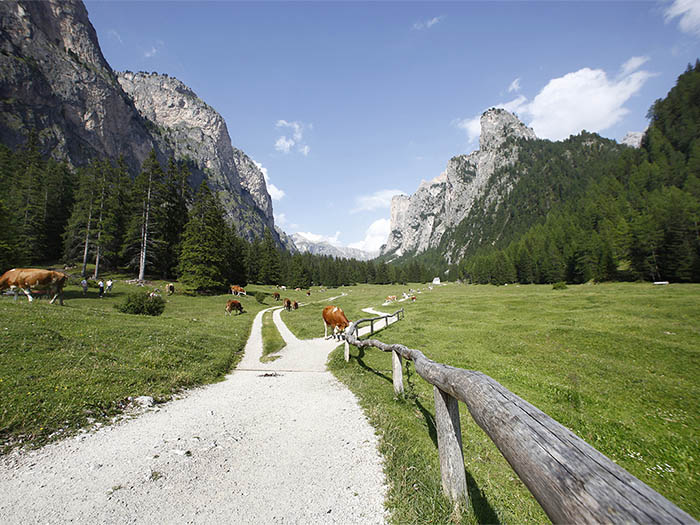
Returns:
(278,442)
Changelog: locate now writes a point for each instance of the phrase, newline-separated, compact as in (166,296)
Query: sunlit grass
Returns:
(272,340)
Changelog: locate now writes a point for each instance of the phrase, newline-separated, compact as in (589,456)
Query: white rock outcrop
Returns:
(418,222)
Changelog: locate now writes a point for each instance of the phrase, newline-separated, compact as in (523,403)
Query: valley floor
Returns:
(276,442)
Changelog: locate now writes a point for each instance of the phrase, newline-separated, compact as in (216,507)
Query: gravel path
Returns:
(278,442)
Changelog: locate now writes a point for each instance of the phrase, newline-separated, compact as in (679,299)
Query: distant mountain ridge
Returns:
(304,245)
(55,81)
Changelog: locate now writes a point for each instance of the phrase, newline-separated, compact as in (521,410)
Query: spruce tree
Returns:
(202,261)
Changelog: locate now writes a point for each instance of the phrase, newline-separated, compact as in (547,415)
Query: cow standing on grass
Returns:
(26,279)
(287,304)
(335,318)
(295,305)
(237,290)
(232,304)
(276,295)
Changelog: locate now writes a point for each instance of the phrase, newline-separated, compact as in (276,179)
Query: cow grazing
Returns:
(391,298)
(295,305)
(237,290)
(26,279)
(335,318)
(287,304)
(232,304)
(276,295)
(413,298)
(308,293)
(170,288)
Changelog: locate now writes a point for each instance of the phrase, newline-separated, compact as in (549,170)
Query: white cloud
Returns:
(427,24)
(514,86)
(150,53)
(377,200)
(275,193)
(284,144)
(282,221)
(314,237)
(375,236)
(633,64)
(584,99)
(689,13)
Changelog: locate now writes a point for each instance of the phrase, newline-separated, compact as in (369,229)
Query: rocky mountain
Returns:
(419,222)
(633,139)
(55,81)
(304,245)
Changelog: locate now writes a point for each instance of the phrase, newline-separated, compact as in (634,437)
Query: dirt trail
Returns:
(278,442)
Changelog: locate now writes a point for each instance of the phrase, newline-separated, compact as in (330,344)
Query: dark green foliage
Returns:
(202,261)
(260,297)
(561,285)
(142,303)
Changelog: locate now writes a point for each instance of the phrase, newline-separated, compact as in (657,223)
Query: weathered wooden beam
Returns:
(397,372)
(571,480)
(449,436)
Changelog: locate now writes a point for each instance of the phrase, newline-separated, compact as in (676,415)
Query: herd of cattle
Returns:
(53,282)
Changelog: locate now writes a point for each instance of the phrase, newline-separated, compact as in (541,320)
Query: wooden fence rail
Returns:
(571,480)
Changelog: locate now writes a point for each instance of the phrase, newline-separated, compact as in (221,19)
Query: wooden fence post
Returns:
(347,351)
(386,321)
(449,435)
(371,327)
(397,371)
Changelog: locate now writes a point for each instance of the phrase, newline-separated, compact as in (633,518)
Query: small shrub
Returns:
(561,285)
(142,303)
(260,297)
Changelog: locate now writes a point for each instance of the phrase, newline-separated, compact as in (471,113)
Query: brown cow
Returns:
(391,298)
(27,278)
(232,304)
(308,293)
(170,288)
(287,304)
(237,290)
(295,305)
(276,295)
(335,318)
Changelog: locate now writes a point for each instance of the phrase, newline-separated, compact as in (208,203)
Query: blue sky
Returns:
(347,103)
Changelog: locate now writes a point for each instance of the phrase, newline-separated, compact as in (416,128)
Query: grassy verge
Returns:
(62,368)
(272,340)
(616,363)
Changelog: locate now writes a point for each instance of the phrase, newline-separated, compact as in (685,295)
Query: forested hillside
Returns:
(587,208)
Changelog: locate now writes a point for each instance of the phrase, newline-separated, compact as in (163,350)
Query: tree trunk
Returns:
(144,232)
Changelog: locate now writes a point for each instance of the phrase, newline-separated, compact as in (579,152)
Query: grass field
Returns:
(64,367)
(619,364)
(272,340)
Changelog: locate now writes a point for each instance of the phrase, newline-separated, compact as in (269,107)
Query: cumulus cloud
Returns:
(314,237)
(377,200)
(689,13)
(150,53)
(427,24)
(375,236)
(282,221)
(285,144)
(584,99)
(514,86)
(275,193)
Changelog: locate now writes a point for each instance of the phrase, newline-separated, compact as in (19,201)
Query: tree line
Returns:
(153,225)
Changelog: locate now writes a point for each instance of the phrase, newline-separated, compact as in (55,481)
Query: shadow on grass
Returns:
(483,511)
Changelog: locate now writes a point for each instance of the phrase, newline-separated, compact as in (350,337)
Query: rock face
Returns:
(190,128)
(633,139)
(323,248)
(55,81)
(418,222)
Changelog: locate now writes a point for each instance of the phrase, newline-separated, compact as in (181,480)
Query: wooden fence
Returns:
(571,480)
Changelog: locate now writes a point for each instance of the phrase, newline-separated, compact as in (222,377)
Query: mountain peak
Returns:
(497,125)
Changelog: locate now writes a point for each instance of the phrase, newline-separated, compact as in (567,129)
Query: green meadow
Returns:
(616,363)
(619,364)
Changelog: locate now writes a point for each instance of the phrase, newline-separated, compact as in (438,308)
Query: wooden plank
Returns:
(397,372)
(347,351)
(570,479)
(449,436)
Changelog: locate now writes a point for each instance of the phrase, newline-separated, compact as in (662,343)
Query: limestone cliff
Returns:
(55,82)
(418,222)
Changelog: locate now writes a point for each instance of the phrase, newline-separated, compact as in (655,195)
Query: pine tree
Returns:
(202,261)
